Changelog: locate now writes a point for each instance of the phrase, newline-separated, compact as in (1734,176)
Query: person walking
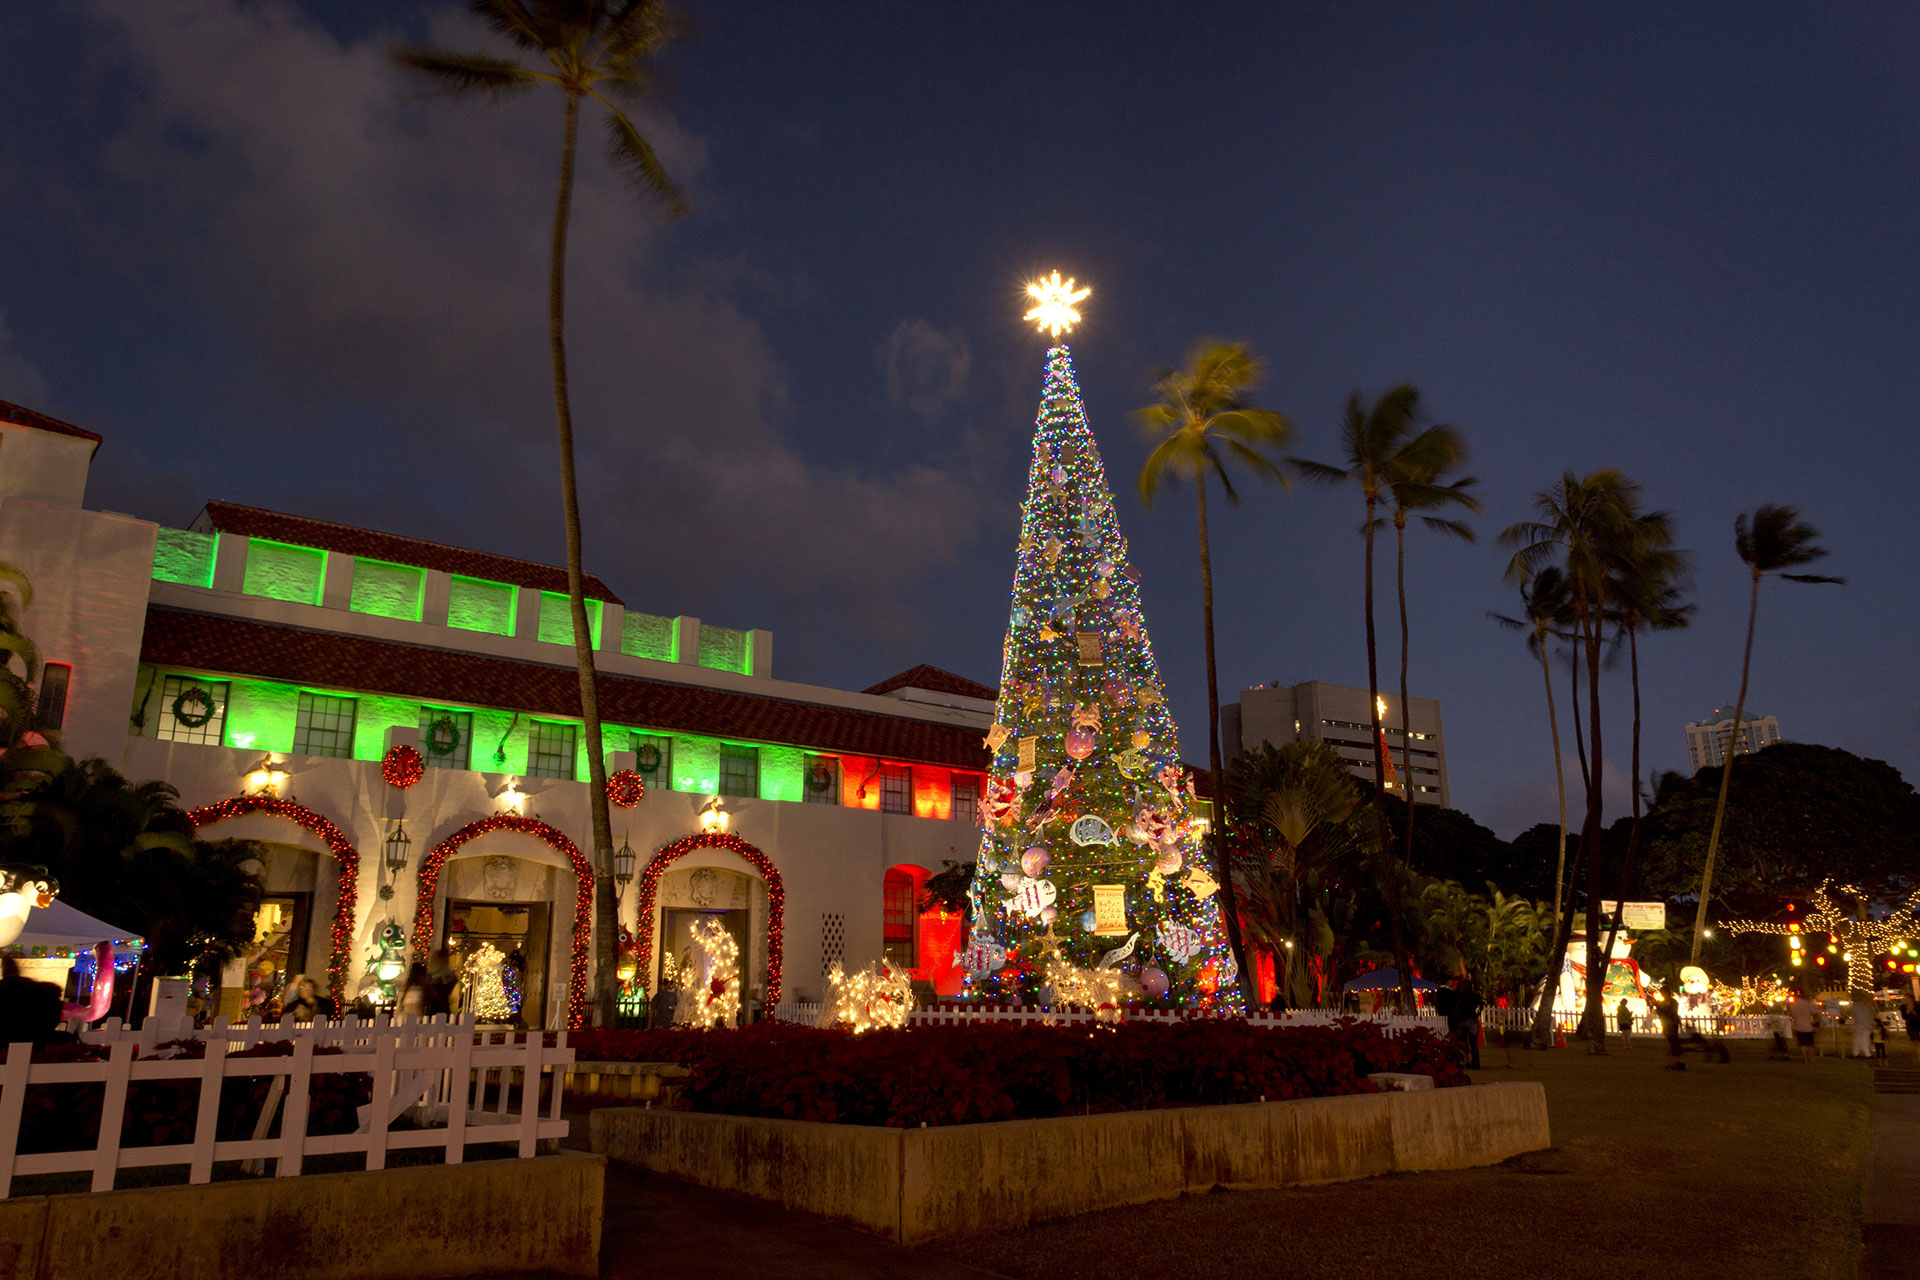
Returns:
(1463,1017)
(301,1000)
(1668,1011)
(1803,1012)
(1623,1019)
(417,996)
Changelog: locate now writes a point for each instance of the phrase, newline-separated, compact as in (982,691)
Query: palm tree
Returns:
(1205,416)
(1419,487)
(1382,446)
(598,50)
(1772,539)
(1581,519)
(1647,578)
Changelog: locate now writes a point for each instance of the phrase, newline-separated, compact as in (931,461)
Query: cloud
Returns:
(378,257)
(20,381)
(925,370)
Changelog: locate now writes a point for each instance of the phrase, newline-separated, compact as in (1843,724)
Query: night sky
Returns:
(1678,240)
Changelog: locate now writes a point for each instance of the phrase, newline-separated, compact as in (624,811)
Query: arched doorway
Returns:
(339,951)
(776,897)
(437,856)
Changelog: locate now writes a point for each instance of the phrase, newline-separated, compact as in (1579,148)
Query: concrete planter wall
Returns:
(482,1218)
(913,1185)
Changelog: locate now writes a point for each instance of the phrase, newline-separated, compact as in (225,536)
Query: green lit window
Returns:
(654,760)
(740,771)
(966,797)
(896,788)
(193,710)
(324,726)
(551,750)
(446,737)
(821,785)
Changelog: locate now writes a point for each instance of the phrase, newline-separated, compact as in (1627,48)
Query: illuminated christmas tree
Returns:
(1089,856)
(489,1000)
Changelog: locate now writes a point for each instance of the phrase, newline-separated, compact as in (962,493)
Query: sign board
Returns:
(169,998)
(1109,909)
(1638,915)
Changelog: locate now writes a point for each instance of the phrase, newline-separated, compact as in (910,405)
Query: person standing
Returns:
(1623,1018)
(1668,1010)
(300,1002)
(1803,1011)
(1463,1017)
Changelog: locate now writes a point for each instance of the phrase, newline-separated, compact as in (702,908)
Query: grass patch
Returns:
(1753,1168)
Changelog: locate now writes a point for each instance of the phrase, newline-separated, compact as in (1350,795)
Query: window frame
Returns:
(211,734)
(896,773)
(660,778)
(54,718)
(303,727)
(832,794)
(971,791)
(731,753)
(463,721)
(538,732)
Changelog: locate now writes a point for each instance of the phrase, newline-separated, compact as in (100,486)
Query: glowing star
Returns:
(1055,305)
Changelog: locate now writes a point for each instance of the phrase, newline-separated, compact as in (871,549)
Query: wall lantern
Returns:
(398,856)
(623,861)
(511,799)
(266,779)
(713,819)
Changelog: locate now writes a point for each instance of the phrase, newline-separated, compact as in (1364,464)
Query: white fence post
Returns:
(113,1112)
(13,1096)
(293,1115)
(206,1120)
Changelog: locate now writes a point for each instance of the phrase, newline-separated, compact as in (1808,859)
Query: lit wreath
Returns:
(402,767)
(625,788)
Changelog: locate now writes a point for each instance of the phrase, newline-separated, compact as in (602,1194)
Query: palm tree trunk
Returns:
(1726,777)
(1590,841)
(1388,890)
(604,921)
(1406,727)
(1543,1016)
(1573,693)
(1633,831)
(1223,866)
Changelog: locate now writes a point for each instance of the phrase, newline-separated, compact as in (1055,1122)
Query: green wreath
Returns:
(443,736)
(194,695)
(819,778)
(648,758)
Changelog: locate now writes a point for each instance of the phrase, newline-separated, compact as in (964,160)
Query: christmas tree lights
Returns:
(486,981)
(1089,854)
(1856,939)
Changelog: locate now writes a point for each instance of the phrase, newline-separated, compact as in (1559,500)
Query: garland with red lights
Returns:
(776,897)
(625,788)
(403,766)
(341,940)
(582,898)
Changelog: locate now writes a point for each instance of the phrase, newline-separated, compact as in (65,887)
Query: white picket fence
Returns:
(1736,1026)
(443,1073)
(346,1032)
(953,1013)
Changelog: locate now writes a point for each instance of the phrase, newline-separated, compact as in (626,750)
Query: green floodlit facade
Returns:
(388,590)
(281,572)
(183,556)
(262,714)
(477,605)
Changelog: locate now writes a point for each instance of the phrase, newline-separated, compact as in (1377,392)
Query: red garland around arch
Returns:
(776,898)
(582,898)
(403,766)
(341,941)
(625,788)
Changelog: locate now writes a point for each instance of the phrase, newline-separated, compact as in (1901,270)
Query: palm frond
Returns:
(13,575)
(1318,472)
(1165,458)
(1813,577)
(512,19)
(1451,528)
(631,154)
(469,73)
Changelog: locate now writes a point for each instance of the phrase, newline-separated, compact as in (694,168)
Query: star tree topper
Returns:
(1055,305)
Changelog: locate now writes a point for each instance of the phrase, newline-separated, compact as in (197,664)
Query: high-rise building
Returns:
(1339,716)
(1707,738)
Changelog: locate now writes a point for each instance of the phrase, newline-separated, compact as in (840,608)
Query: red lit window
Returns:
(899,919)
(896,788)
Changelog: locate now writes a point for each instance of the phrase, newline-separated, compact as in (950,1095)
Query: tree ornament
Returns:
(1080,743)
(1199,883)
(402,767)
(995,736)
(1034,862)
(1153,981)
(1092,829)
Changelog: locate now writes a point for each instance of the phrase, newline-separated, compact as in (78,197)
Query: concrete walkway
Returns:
(1890,1225)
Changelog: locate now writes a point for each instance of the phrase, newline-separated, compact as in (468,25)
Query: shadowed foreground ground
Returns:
(1748,1169)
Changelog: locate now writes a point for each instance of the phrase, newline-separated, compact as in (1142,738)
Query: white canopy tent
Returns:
(60,930)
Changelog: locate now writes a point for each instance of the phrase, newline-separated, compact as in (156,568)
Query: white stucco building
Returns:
(1707,738)
(265,664)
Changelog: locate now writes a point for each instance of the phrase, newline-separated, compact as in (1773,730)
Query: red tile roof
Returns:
(21,416)
(241,647)
(935,680)
(277,526)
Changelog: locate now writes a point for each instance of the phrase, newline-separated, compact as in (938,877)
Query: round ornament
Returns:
(625,788)
(1080,743)
(402,767)
(1048,915)
(194,707)
(1169,862)
(1087,920)
(1034,862)
(1153,981)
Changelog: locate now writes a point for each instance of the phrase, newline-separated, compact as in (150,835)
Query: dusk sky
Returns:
(1678,240)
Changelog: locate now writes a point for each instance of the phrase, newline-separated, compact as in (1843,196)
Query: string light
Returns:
(340,941)
(717,1002)
(626,788)
(1866,937)
(776,896)
(876,996)
(582,897)
(403,766)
